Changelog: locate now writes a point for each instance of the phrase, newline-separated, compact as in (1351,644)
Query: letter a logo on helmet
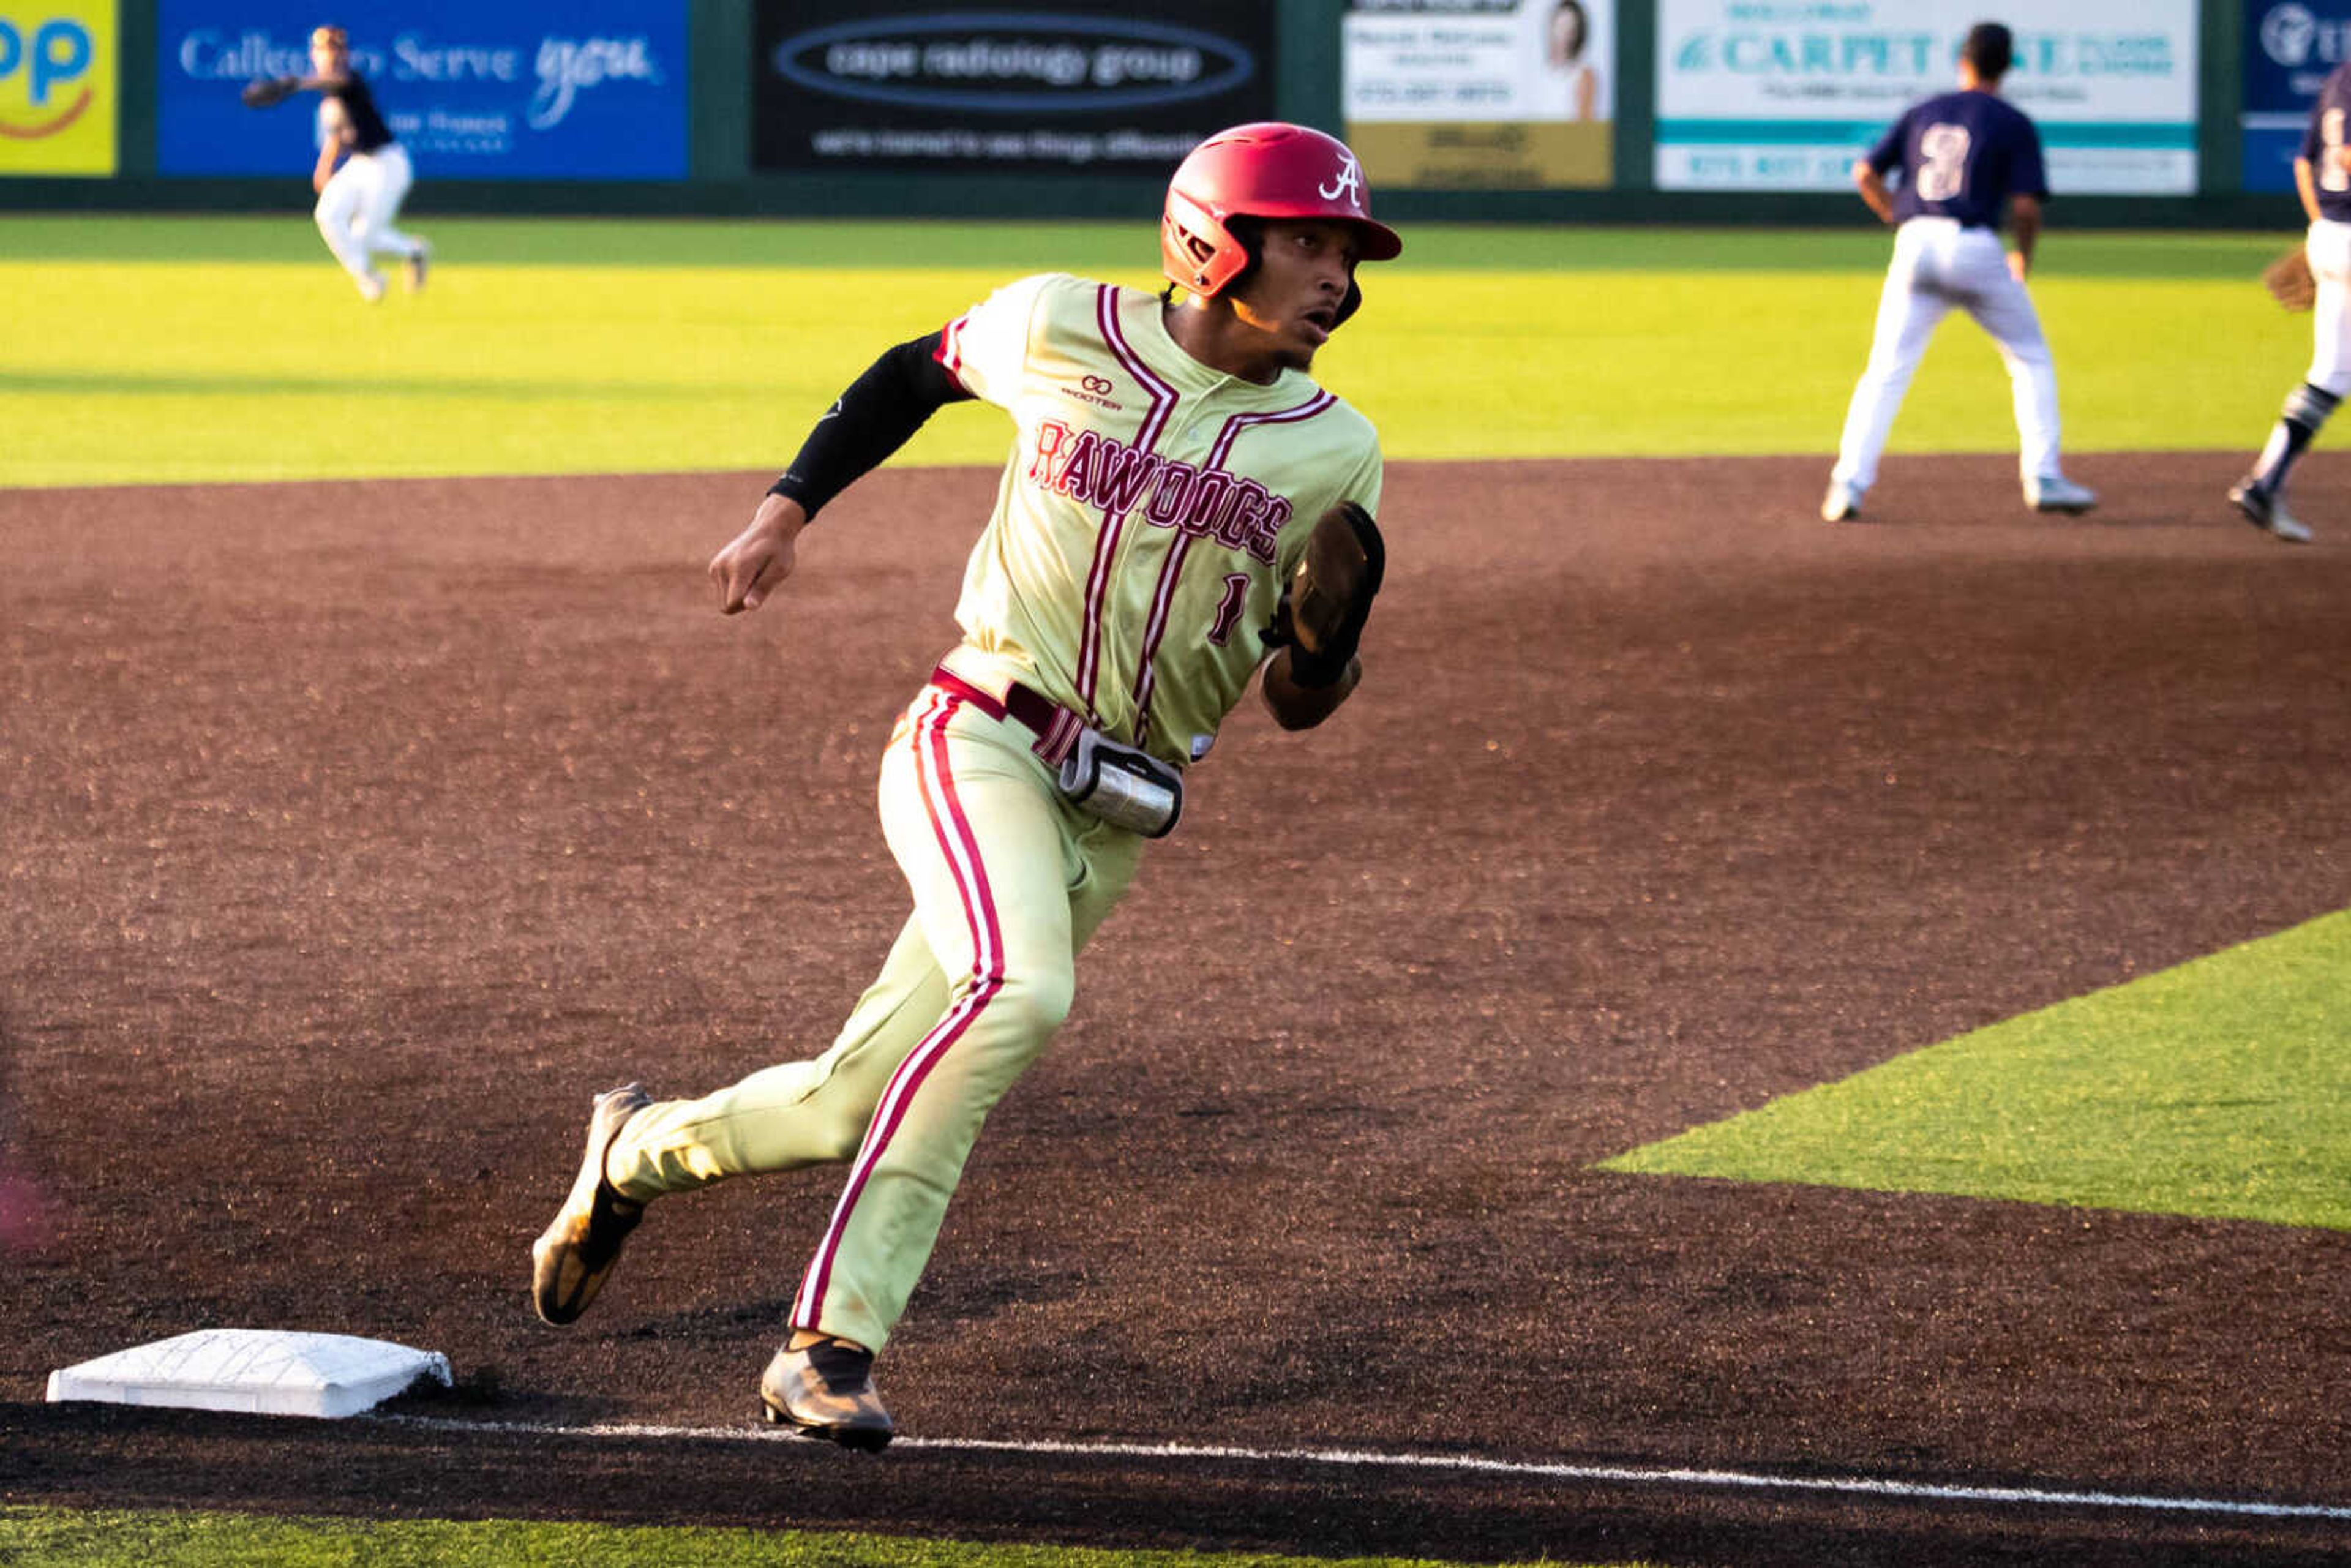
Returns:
(1268,170)
(1348,184)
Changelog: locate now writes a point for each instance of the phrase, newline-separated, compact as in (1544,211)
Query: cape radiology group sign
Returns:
(1054,86)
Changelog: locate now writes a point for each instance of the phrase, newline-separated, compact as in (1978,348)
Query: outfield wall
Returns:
(1681,110)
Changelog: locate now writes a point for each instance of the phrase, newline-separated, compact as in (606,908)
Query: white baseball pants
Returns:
(1937,265)
(2329,248)
(356,210)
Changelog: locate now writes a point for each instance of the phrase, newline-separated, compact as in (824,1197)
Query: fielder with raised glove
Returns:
(363,173)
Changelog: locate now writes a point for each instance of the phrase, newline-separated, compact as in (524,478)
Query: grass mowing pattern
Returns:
(2221,1089)
(232,349)
(67,1539)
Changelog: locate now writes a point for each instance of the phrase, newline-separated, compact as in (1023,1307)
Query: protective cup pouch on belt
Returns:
(1329,596)
(1122,786)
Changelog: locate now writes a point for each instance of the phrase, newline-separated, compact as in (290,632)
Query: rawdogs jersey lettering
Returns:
(1167,493)
(1236,512)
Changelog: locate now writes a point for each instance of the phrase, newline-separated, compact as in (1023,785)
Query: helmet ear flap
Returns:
(1350,304)
(1196,250)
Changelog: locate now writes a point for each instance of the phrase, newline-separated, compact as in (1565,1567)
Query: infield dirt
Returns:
(357,833)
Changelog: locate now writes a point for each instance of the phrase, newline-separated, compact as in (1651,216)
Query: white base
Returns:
(265,1372)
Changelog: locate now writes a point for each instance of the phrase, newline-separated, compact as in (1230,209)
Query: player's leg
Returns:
(1005,893)
(2260,494)
(804,1113)
(796,1113)
(2003,308)
(395,176)
(1909,310)
(810,1112)
(337,213)
(1008,883)
(779,1118)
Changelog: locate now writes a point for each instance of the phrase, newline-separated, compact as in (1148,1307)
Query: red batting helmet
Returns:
(1268,170)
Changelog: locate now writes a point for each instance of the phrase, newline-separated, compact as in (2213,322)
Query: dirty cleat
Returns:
(2056,493)
(569,1260)
(1840,505)
(2264,509)
(827,1391)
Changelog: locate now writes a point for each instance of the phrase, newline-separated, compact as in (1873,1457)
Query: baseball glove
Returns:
(263,92)
(2289,281)
(1329,596)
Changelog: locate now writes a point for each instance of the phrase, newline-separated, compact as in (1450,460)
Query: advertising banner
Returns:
(1055,86)
(1784,95)
(1481,94)
(2290,47)
(474,90)
(58,65)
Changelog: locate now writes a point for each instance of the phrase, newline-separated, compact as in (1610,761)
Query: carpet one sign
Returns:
(865,84)
(1784,95)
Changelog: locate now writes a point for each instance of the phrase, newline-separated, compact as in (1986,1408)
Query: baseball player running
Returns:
(1181,500)
(2321,175)
(1964,156)
(359,200)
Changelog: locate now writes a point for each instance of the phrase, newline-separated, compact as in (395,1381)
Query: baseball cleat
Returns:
(2264,509)
(371,287)
(418,260)
(1840,505)
(569,1260)
(2056,493)
(826,1391)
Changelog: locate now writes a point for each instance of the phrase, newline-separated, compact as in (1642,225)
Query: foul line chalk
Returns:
(1508,1470)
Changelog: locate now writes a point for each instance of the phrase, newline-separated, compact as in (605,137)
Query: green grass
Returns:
(141,349)
(71,1539)
(2221,1089)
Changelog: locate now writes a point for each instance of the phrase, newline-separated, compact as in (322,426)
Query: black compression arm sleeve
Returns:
(878,414)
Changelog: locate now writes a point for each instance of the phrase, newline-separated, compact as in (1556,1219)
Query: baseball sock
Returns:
(2306,408)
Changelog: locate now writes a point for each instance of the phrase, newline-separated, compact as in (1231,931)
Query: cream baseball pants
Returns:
(1008,883)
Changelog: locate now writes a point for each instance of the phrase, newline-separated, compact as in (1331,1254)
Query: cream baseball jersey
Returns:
(1150,510)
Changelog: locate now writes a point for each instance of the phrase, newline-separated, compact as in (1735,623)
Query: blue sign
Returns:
(2290,47)
(474,89)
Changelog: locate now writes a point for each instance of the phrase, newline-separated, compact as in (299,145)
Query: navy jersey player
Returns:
(1964,161)
(2321,175)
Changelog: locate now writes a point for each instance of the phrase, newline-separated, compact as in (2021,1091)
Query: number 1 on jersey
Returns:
(1237,586)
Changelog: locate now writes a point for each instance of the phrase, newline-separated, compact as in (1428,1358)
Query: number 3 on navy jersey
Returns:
(2332,176)
(1942,162)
